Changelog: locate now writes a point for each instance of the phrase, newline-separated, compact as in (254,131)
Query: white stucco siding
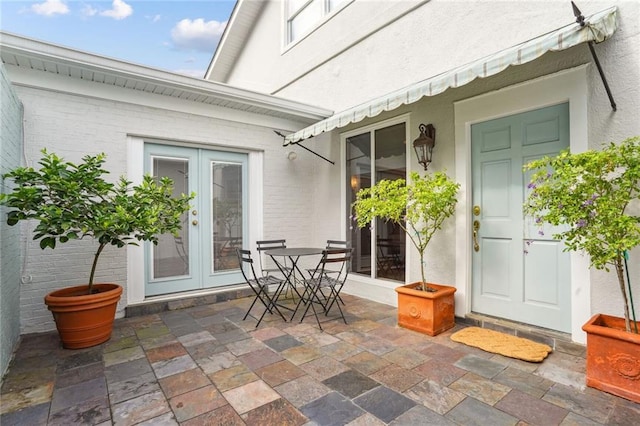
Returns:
(373,47)
(73,126)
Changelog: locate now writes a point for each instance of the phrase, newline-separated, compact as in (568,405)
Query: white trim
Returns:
(135,254)
(564,86)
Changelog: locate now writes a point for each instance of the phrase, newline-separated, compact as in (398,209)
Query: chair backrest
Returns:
(246,263)
(268,245)
(339,259)
(333,244)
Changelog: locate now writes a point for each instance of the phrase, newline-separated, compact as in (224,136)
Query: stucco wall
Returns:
(73,126)
(10,252)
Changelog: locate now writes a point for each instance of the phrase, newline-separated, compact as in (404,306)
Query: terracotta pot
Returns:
(82,319)
(613,357)
(426,312)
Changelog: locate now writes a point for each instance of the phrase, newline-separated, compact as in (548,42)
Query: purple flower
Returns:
(581,223)
(538,220)
(540,232)
(531,185)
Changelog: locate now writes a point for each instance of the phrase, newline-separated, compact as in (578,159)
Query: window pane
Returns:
(359,176)
(390,163)
(304,20)
(226,214)
(171,254)
(334,4)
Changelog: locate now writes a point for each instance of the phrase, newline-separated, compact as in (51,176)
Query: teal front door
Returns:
(203,254)
(519,271)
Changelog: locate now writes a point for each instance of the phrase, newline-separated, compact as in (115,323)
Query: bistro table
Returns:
(293,254)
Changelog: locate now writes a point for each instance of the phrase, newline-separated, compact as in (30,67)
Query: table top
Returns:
(294,251)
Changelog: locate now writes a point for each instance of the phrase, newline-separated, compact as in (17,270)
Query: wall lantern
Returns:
(424,144)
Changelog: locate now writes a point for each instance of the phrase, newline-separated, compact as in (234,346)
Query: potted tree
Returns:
(73,201)
(419,207)
(594,196)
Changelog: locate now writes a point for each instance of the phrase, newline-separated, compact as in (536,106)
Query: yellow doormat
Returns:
(503,344)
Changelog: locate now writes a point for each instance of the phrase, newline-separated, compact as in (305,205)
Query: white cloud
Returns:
(119,10)
(197,34)
(155,18)
(89,11)
(50,8)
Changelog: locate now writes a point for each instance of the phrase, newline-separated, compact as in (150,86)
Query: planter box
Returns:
(613,357)
(84,320)
(426,312)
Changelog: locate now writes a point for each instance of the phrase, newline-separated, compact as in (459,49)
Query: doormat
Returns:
(503,344)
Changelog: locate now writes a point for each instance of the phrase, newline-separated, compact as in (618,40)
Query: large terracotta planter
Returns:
(613,357)
(426,312)
(82,319)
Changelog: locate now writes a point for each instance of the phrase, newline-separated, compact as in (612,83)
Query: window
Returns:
(303,15)
(379,250)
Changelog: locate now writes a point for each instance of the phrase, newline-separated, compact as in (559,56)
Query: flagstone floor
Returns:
(205,366)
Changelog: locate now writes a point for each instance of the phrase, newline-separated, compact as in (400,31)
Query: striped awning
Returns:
(599,27)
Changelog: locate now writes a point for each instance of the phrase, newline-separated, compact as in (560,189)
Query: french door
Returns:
(203,254)
(519,271)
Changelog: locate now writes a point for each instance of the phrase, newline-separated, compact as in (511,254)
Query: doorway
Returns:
(203,254)
(519,271)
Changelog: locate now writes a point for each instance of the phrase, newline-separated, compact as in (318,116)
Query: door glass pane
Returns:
(359,176)
(390,164)
(171,254)
(388,161)
(226,214)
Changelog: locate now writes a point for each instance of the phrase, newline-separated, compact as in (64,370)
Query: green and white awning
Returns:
(599,27)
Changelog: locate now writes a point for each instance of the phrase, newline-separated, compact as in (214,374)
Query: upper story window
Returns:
(304,15)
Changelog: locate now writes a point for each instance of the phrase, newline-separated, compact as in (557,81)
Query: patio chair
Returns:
(265,268)
(323,288)
(260,286)
(335,244)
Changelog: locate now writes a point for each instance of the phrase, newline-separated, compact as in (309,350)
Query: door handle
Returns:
(195,222)
(476,226)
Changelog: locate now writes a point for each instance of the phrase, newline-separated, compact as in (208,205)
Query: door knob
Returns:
(476,226)
(195,222)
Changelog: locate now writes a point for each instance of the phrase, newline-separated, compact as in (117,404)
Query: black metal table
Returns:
(293,254)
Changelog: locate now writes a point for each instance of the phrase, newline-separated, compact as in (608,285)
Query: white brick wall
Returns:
(73,126)
(10,259)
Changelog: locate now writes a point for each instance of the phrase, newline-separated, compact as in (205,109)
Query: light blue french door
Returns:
(519,271)
(203,254)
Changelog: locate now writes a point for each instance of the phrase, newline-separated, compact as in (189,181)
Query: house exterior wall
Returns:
(378,47)
(104,119)
(10,251)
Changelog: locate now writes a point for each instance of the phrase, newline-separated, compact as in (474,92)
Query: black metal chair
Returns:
(334,244)
(325,284)
(260,286)
(282,268)
(265,268)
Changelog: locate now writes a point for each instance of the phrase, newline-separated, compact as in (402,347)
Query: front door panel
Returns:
(519,272)
(203,254)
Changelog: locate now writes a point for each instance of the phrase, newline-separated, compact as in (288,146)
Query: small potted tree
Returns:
(74,201)
(595,197)
(419,207)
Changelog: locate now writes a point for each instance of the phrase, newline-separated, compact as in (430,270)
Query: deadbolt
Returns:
(195,222)
(476,210)
(195,212)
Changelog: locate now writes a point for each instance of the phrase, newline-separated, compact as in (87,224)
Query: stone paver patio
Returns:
(205,366)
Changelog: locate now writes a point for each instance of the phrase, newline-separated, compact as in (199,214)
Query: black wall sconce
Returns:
(424,144)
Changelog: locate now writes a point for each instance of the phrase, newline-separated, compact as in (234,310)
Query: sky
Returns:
(178,36)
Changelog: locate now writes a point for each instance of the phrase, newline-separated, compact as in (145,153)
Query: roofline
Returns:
(82,60)
(235,34)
